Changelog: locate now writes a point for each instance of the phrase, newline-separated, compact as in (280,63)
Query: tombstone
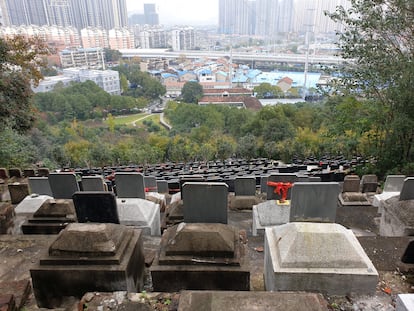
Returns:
(39,185)
(269,213)
(43,172)
(311,257)
(130,185)
(263,184)
(29,172)
(351,195)
(162,186)
(93,183)
(63,185)
(189,178)
(351,183)
(200,256)
(50,218)
(96,206)
(369,183)
(245,186)
(407,191)
(18,191)
(286,178)
(150,183)
(392,187)
(7,214)
(106,257)
(15,172)
(205,202)
(314,201)
(3,173)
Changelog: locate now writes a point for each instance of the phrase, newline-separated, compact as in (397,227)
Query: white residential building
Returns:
(92,58)
(183,39)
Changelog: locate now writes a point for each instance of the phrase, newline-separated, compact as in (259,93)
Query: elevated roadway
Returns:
(237,56)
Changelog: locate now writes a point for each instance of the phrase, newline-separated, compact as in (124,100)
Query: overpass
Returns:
(237,56)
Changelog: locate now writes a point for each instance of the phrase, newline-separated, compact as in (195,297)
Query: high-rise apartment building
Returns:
(268,18)
(150,16)
(152,38)
(234,16)
(183,39)
(105,14)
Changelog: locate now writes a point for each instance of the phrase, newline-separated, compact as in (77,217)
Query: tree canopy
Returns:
(377,45)
(20,65)
(192,91)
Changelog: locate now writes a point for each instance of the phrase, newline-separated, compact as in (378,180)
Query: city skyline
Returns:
(185,12)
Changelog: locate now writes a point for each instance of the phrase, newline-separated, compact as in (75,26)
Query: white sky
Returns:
(180,12)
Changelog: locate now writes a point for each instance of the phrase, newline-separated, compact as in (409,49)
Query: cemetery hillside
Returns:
(181,179)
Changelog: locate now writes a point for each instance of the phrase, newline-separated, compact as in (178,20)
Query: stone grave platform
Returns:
(51,217)
(247,301)
(200,256)
(89,257)
(317,257)
(397,218)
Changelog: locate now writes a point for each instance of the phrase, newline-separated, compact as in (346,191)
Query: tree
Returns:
(377,45)
(20,65)
(192,91)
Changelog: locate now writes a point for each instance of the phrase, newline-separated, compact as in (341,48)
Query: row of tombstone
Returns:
(18,173)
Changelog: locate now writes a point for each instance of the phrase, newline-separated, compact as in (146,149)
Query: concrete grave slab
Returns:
(404,302)
(397,218)
(140,213)
(392,187)
(200,256)
(247,301)
(205,202)
(31,204)
(317,257)
(87,258)
(51,217)
(314,201)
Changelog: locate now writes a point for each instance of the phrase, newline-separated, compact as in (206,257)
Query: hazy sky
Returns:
(182,12)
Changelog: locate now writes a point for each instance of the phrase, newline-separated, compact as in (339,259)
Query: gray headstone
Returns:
(130,185)
(369,183)
(314,201)
(285,178)
(351,183)
(63,185)
(245,186)
(40,185)
(394,183)
(162,186)
(93,183)
(263,183)
(150,183)
(205,202)
(96,206)
(407,191)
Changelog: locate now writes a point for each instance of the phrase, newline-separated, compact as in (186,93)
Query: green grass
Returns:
(122,120)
